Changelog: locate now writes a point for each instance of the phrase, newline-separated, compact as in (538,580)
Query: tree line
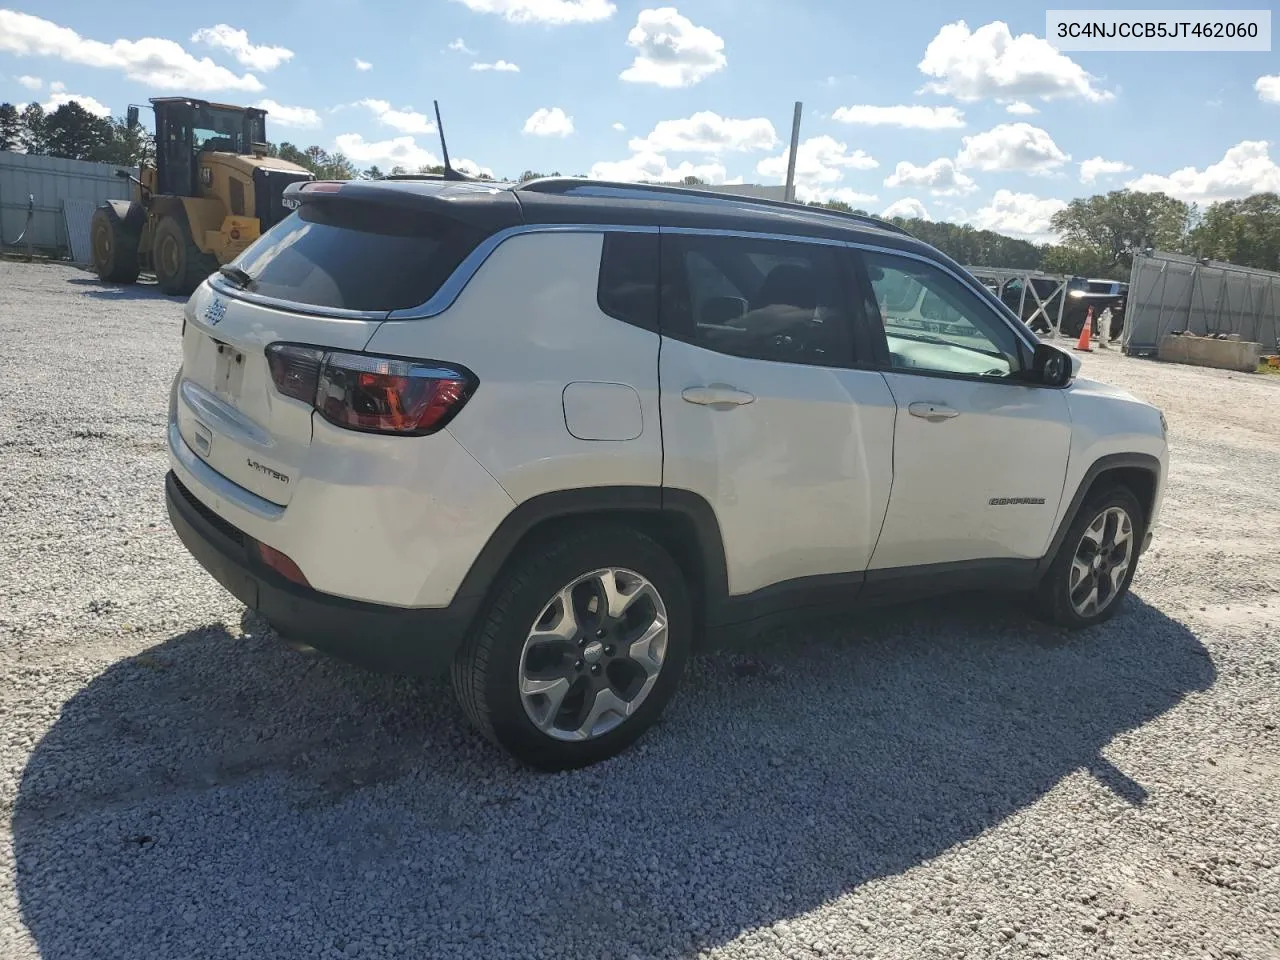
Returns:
(1099,234)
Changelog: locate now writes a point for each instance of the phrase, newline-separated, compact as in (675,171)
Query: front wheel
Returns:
(1096,561)
(580,650)
(179,264)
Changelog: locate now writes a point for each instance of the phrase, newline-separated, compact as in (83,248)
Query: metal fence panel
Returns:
(51,180)
(1169,292)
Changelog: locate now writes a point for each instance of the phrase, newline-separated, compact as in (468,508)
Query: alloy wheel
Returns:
(1101,562)
(593,655)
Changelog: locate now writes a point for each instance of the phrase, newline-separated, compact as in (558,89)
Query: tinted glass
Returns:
(934,323)
(628,289)
(356,256)
(766,299)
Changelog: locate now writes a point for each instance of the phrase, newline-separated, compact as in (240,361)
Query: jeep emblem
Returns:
(215,311)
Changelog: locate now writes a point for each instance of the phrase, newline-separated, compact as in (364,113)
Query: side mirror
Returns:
(1051,366)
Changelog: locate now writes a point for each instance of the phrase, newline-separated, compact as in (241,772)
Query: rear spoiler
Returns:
(475,204)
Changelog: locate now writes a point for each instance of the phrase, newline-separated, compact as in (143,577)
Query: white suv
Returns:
(555,435)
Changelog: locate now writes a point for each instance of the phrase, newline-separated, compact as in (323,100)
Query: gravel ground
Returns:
(949,780)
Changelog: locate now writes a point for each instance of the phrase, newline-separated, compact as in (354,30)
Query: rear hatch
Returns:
(324,277)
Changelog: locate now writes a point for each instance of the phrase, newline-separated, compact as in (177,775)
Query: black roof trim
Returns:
(604,188)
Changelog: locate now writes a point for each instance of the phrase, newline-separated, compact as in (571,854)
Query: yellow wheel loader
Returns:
(211,192)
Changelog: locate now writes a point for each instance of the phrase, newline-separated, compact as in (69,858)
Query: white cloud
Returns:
(460,46)
(58,96)
(397,152)
(1022,215)
(991,62)
(156,63)
(1090,170)
(549,122)
(940,178)
(911,116)
(406,121)
(844,194)
(820,163)
(1245,169)
(671,51)
(1011,146)
(1020,108)
(707,132)
(236,42)
(31,83)
(653,168)
(1268,88)
(302,118)
(620,127)
(908,207)
(545,11)
(471,168)
(500,66)
(363,65)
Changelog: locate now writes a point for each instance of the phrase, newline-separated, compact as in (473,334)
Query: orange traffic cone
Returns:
(1086,333)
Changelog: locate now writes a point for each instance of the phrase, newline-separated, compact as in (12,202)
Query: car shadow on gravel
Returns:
(224,795)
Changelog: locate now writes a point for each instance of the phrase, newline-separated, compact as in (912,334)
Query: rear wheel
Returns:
(115,247)
(179,264)
(1096,562)
(580,650)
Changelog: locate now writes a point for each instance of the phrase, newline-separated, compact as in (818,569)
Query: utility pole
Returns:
(790,193)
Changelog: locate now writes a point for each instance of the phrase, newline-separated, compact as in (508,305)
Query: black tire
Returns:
(1055,590)
(179,264)
(488,666)
(115,246)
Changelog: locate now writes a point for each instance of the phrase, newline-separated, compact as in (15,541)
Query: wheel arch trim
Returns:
(1105,464)
(662,504)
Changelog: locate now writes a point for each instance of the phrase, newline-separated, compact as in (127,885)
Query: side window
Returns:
(934,324)
(764,299)
(628,288)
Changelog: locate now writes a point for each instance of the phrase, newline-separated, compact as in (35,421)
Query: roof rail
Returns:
(607,188)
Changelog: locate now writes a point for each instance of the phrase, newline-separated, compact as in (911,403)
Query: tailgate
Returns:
(229,411)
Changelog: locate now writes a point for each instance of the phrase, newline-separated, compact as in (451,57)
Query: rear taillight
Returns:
(375,394)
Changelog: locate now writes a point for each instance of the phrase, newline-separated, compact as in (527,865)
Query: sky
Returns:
(954,112)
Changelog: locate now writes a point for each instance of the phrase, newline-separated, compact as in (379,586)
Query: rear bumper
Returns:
(393,639)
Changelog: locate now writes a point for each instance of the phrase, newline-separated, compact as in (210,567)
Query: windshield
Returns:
(229,131)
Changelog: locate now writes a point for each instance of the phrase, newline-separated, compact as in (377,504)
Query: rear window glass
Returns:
(356,256)
(628,287)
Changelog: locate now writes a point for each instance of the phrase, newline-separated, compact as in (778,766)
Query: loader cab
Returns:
(186,128)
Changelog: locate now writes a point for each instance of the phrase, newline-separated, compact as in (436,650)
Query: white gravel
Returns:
(947,781)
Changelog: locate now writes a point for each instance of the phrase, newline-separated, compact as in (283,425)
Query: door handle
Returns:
(933,412)
(717,395)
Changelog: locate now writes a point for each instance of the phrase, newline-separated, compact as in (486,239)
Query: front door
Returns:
(980,456)
(765,411)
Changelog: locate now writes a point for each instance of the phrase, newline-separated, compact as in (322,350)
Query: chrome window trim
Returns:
(452,288)
(463,274)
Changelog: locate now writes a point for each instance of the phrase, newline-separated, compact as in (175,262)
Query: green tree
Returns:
(373,173)
(431,169)
(127,146)
(534,175)
(1081,262)
(10,127)
(72,132)
(32,135)
(1244,232)
(1116,224)
(693,181)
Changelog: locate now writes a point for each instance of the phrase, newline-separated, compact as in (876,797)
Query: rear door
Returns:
(326,276)
(766,411)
